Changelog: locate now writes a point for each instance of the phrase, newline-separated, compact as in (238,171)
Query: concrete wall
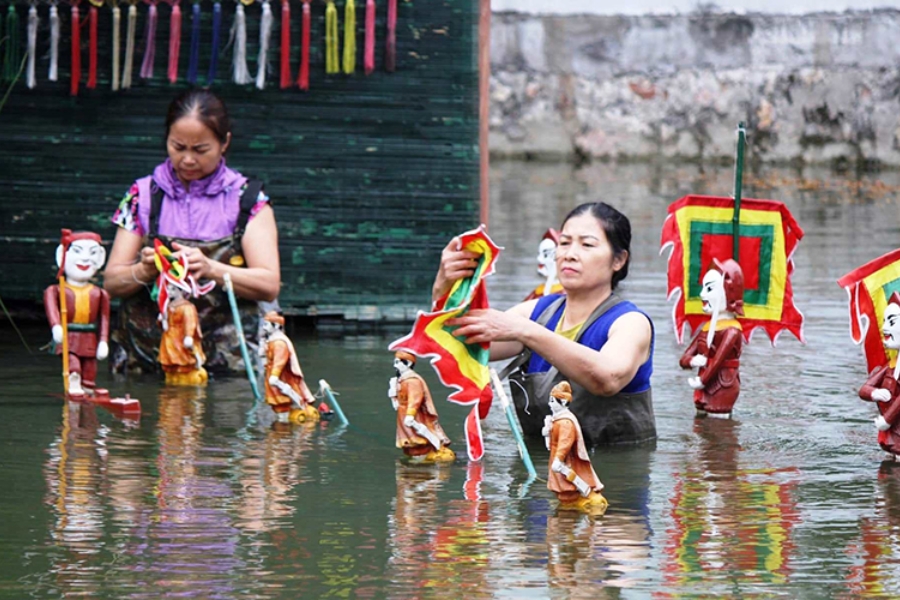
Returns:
(816,88)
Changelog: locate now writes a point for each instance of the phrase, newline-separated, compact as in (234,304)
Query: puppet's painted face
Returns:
(891,327)
(400,366)
(83,259)
(546,257)
(175,292)
(555,404)
(269,328)
(712,292)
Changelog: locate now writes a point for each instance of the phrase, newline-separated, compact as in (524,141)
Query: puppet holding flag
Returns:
(700,232)
(459,365)
(180,351)
(874,291)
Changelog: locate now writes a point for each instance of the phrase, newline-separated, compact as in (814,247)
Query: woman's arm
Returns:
(602,372)
(130,266)
(261,278)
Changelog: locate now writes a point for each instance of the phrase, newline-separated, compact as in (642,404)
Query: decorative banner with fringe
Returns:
(699,228)
(460,365)
(869,288)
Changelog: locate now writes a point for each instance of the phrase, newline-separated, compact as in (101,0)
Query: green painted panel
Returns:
(370,175)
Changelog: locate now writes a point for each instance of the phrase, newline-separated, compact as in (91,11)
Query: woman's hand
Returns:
(489,325)
(456,264)
(199,265)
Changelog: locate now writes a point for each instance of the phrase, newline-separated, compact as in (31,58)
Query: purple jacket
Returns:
(207,211)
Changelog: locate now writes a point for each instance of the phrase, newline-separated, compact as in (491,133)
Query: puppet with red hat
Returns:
(716,350)
(882,388)
(546,260)
(79,316)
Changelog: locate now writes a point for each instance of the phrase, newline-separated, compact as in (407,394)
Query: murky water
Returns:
(202,499)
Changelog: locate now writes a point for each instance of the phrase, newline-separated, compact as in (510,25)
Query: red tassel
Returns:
(92,49)
(174,41)
(390,49)
(76,51)
(285,44)
(369,50)
(303,80)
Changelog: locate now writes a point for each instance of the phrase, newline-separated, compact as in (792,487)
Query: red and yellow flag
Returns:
(699,228)
(459,365)
(869,287)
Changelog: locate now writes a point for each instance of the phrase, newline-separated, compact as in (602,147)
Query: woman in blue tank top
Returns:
(588,336)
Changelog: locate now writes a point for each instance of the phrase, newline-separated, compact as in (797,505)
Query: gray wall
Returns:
(817,88)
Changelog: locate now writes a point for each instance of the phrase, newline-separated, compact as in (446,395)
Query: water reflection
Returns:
(730,522)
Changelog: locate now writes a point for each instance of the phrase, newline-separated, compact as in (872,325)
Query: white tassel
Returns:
(265,32)
(54,43)
(32,42)
(117,26)
(240,72)
(129,47)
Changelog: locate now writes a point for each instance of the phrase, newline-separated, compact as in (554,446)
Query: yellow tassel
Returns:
(332,55)
(350,37)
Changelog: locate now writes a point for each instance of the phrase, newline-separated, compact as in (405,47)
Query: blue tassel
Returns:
(216,27)
(195,45)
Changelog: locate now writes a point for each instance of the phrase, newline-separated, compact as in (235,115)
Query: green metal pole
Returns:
(513,425)
(323,385)
(251,375)
(738,181)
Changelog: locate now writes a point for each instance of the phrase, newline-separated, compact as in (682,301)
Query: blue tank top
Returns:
(595,337)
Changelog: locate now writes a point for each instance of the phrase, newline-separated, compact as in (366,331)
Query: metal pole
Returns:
(251,375)
(513,424)
(738,182)
(323,385)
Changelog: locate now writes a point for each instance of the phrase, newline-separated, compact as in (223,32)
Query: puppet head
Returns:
(546,257)
(560,397)
(404,361)
(272,322)
(891,327)
(723,288)
(79,256)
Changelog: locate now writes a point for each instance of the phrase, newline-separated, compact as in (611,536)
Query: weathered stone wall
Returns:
(817,88)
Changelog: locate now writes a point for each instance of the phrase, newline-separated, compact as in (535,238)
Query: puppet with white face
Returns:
(84,308)
(882,388)
(716,350)
(546,261)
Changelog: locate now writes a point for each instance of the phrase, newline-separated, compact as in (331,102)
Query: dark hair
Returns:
(205,106)
(615,225)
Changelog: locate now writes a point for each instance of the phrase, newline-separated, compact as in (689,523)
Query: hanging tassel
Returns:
(216,30)
(92,48)
(285,44)
(332,56)
(390,47)
(30,80)
(11,65)
(76,51)
(240,72)
(129,46)
(117,45)
(194,60)
(369,43)
(303,78)
(149,43)
(265,32)
(349,37)
(174,40)
(53,72)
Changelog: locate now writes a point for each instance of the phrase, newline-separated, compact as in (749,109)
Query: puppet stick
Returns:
(323,385)
(513,424)
(240,333)
(64,318)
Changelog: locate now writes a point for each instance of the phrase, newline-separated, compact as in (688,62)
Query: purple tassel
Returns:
(149,44)
(216,28)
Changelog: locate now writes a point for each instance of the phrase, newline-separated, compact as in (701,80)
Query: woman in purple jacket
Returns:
(214,216)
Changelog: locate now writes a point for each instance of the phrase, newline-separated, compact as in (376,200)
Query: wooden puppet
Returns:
(716,350)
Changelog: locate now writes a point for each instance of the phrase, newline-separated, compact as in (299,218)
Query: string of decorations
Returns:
(336,59)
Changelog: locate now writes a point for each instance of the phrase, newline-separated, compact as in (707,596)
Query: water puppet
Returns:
(716,350)
(570,476)
(286,389)
(546,260)
(78,311)
(875,323)
(419,434)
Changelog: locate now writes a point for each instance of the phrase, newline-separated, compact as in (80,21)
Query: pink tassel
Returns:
(390,48)
(92,48)
(369,50)
(174,41)
(303,78)
(150,44)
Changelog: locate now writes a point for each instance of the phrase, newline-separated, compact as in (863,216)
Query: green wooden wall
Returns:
(369,175)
